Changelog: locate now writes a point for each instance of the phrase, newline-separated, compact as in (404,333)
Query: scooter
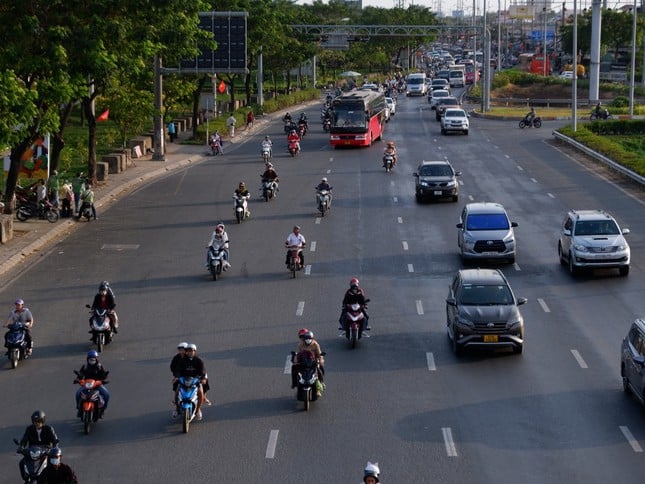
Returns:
(241,208)
(91,401)
(354,323)
(269,189)
(309,387)
(16,343)
(100,327)
(85,212)
(45,210)
(33,463)
(537,122)
(187,400)
(326,125)
(294,148)
(323,197)
(266,153)
(302,129)
(603,114)
(294,260)
(388,162)
(215,261)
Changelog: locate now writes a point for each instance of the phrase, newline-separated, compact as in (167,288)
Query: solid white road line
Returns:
(545,308)
(399,219)
(630,439)
(405,245)
(287,365)
(579,359)
(419,307)
(312,247)
(451,450)
(273,440)
(410,268)
(430,362)
(301,308)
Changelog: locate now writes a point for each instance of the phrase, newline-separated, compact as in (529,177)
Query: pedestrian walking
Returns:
(66,196)
(250,118)
(230,123)
(172,131)
(77,188)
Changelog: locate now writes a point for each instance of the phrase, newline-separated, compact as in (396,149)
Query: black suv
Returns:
(481,310)
(436,179)
(443,104)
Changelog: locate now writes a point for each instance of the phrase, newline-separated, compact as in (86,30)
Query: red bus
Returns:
(472,73)
(358,118)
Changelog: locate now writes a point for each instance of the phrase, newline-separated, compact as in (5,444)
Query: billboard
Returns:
(229,31)
(521,11)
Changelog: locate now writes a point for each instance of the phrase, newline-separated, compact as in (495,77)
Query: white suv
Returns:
(592,239)
(454,120)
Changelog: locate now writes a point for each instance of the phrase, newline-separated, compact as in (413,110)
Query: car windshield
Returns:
(449,101)
(440,94)
(596,227)
(435,170)
(485,295)
(487,221)
(455,113)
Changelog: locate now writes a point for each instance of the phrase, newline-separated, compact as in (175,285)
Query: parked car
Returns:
(632,360)
(486,233)
(443,104)
(435,95)
(436,179)
(482,311)
(391,104)
(454,120)
(592,239)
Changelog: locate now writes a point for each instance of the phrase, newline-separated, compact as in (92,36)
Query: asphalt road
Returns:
(556,413)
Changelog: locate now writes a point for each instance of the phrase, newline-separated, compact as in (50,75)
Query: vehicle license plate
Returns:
(490,338)
(438,192)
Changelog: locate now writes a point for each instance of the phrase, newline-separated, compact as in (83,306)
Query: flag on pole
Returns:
(104,116)
(222,87)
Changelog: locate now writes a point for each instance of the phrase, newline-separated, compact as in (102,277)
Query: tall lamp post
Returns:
(574,90)
(632,79)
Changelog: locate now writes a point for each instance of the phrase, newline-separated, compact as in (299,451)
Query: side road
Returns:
(34,238)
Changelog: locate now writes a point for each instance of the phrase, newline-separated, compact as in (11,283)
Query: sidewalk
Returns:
(34,237)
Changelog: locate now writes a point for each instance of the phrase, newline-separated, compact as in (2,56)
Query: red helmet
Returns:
(353,282)
(302,332)
(305,334)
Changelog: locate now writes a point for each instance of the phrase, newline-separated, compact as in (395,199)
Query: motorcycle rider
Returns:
(219,240)
(241,191)
(371,473)
(390,149)
(294,138)
(38,433)
(93,370)
(303,121)
(176,360)
(306,342)
(191,366)
(23,315)
(215,142)
(104,299)
(87,200)
(56,472)
(271,175)
(287,118)
(354,294)
(324,185)
(295,239)
(530,116)
(267,143)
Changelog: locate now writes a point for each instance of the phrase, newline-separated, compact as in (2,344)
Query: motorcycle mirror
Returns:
(88,306)
(323,353)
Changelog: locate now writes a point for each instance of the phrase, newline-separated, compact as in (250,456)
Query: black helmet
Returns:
(38,416)
(104,286)
(55,452)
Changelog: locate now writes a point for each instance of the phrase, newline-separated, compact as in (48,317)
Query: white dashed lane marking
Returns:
(301,308)
(579,359)
(312,247)
(419,307)
(410,268)
(399,219)
(405,245)
(630,439)
(543,305)
(430,362)
(451,450)
(273,441)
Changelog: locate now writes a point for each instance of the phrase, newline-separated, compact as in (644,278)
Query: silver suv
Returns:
(485,232)
(481,310)
(591,239)
(632,360)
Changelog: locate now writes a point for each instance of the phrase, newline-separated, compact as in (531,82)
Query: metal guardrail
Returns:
(529,101)
(602,158)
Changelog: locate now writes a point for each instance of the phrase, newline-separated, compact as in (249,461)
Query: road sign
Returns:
(539,35)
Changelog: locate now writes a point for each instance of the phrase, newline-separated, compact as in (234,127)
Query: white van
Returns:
(456,78)
(416,84)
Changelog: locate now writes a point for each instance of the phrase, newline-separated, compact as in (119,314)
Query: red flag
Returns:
(222,87)
(104,116)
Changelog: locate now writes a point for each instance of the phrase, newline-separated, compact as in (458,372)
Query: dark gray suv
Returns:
(436,179)
(632,360)
(481,310)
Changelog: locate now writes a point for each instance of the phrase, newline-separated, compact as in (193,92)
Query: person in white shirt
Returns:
(219,240)
(295,239)
(267,143)
(231,122)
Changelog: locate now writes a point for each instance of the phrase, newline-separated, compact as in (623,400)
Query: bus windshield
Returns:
(352,118)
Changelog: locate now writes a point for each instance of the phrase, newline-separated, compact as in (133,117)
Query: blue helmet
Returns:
(92,354)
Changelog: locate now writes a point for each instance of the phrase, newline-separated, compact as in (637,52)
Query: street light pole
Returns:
(632,78)
(574,90)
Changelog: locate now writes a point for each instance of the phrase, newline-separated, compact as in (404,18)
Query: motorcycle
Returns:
(294,149)
(241,208)
(294,259)
(388,162)
(100,327)
(309,387)
(537,122)
(302,129)
(290,126)
(266,153)
(602,114)
(354,322)
(215,149)
(44,210)
(269,189)
(215,261)
(326,125)
(16,343)
(85,212)
(34,461)
(187,400)
(323,197)
(91,401)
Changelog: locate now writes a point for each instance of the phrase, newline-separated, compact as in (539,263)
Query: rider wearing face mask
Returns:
(354,294)
(307,343)
(104,299)
(56,472)
(93,370)
(219,240)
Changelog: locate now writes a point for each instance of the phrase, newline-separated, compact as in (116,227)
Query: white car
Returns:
(391,104)
(455,120)
(566,75)
(435,95)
